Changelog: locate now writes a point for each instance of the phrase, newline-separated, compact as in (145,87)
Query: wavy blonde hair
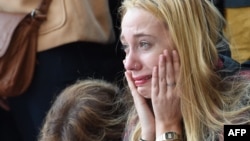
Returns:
(89,110)
(208,100)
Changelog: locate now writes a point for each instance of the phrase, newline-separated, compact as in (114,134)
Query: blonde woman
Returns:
(182,89)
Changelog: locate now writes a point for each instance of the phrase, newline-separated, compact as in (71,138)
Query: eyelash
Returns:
(142,45)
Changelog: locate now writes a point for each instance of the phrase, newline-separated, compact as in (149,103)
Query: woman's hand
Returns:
(165,94)
(145,114)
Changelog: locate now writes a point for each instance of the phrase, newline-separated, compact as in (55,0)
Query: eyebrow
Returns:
(137,36)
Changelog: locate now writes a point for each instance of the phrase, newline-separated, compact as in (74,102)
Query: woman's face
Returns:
(144,37)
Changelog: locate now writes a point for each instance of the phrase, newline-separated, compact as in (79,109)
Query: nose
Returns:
(131,62)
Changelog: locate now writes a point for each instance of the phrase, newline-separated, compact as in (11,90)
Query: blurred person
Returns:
(75,42)
(89,110)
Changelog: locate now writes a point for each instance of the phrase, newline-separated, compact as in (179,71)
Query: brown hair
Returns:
(89,110)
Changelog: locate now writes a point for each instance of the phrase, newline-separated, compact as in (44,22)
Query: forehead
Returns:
(138,14)
(138,21)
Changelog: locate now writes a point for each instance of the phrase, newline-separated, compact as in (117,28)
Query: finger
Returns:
(162,74)
(140,103)
(170,70)
(131,84)
(176,63)
(143,110)
(136,96)
(155,85)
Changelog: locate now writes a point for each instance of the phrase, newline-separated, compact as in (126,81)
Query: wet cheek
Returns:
(152,62)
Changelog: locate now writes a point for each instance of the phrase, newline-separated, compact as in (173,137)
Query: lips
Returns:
(139,81)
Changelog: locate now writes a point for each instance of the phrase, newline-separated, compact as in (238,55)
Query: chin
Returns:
(145,92)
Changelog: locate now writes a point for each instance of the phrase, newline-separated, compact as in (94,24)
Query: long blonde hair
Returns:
(208,100)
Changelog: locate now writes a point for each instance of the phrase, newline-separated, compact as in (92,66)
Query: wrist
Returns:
(147,135)
(163,128)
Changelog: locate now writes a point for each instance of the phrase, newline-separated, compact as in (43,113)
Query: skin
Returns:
(151,62)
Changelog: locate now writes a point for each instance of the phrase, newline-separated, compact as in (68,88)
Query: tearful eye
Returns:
(144,44)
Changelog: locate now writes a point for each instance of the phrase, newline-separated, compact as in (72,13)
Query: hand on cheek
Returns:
(145,114)
(165,99)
